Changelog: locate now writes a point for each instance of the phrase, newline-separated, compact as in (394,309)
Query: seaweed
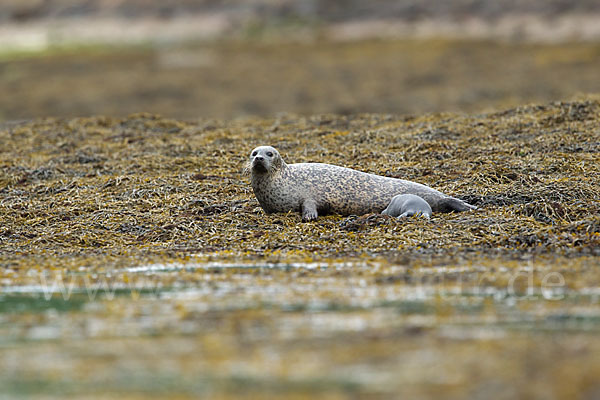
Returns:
(152,185)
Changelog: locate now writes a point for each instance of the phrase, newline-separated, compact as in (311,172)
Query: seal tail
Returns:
(450,204)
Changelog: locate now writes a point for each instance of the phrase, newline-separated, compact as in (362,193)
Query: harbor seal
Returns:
(407,205)
(317,189)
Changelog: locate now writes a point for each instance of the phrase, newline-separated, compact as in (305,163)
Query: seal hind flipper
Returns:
(450,204)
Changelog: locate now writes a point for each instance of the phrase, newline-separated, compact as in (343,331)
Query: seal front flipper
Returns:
(309,210)
(416,214)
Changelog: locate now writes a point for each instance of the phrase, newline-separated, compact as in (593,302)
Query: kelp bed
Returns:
(137,263)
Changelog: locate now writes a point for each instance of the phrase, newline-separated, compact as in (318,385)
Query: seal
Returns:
(318,189)
(407,205)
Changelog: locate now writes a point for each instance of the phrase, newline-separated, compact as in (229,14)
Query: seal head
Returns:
(265,160)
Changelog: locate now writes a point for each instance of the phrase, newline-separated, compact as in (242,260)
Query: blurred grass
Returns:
(21,304)
(232,79)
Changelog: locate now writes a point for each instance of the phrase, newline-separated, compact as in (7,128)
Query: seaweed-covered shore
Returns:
(363,306)
(146,184)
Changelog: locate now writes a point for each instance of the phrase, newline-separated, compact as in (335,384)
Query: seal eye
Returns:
(254,154)
(269,154)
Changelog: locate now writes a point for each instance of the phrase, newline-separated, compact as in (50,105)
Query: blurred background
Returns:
(235,58)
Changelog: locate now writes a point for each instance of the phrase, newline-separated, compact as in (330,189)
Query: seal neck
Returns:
(277,166)
(282,165)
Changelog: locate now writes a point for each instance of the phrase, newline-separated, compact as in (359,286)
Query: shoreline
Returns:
(528,28)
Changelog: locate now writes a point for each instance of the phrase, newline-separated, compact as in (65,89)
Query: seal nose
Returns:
(258,158)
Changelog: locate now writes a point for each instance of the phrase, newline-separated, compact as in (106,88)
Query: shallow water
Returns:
(243,330)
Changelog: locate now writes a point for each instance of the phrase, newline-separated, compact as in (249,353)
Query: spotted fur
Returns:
(317,189)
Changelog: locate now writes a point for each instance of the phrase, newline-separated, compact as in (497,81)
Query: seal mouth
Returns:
(259,166)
